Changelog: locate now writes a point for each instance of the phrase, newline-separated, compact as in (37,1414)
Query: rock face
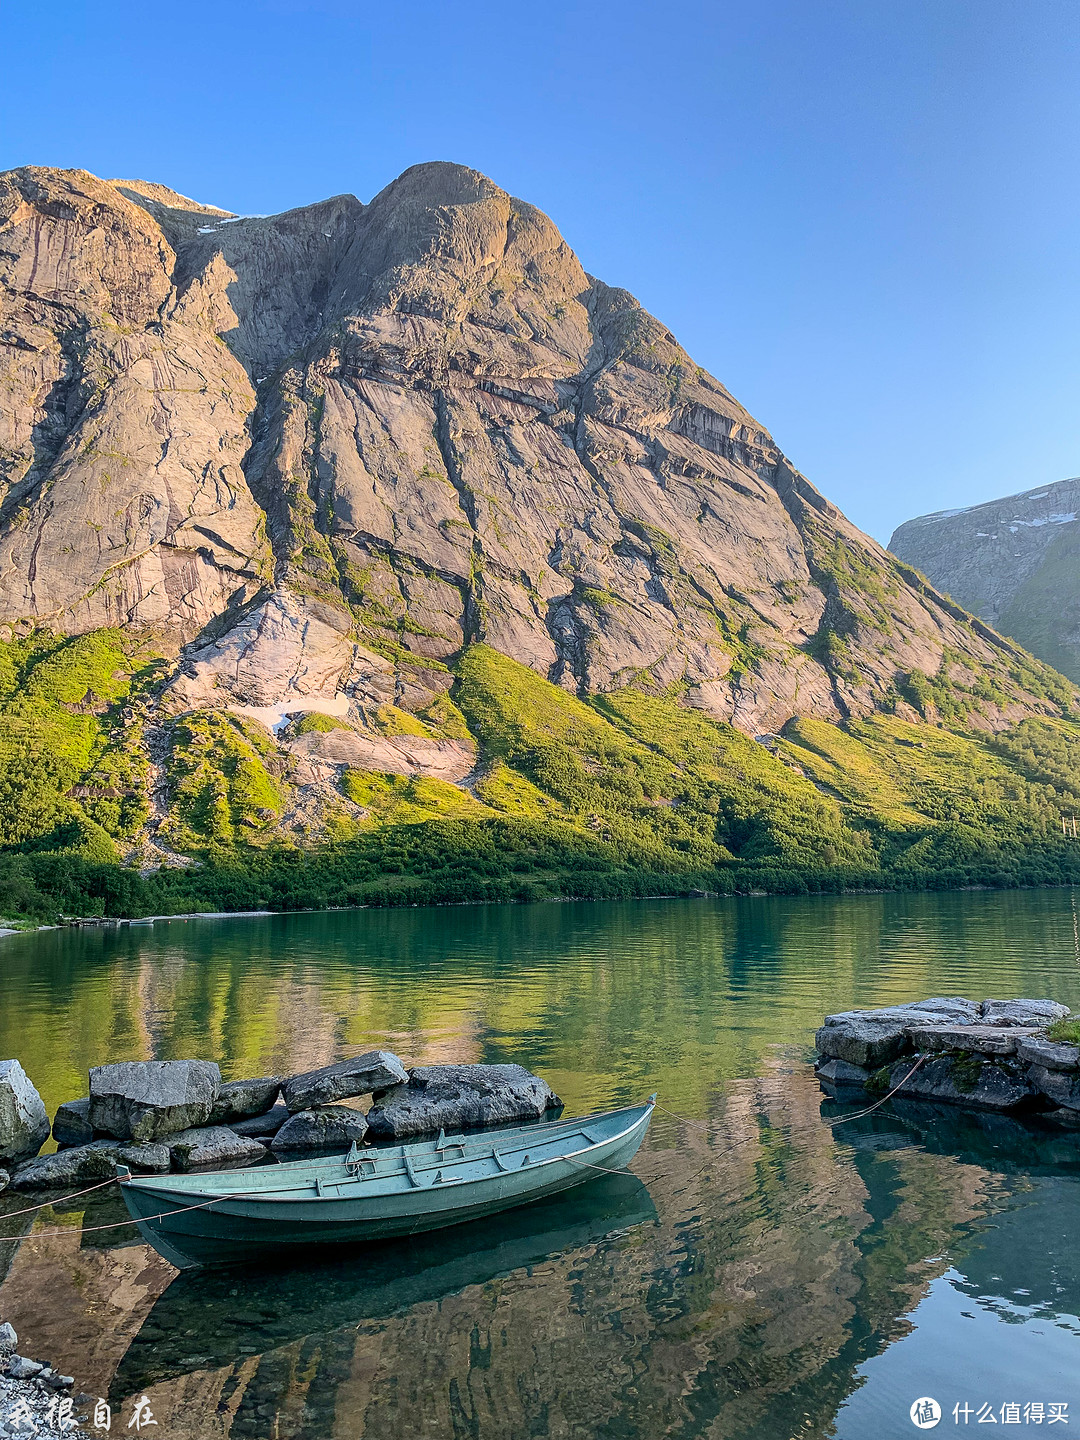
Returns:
(213,1147)
(360,1075)
(145,1099)
(984,1084)
(96,1161)
(24,1121)
(869,1038)
(460,1096)
(71,1123)
(330,1127)
(241,1099)
(268,1123)
(1013,562)
(155,1159)
(295,443)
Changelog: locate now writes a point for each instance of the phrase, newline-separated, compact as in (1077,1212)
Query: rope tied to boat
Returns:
(118,1224)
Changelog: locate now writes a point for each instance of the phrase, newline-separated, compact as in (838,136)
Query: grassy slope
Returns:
(625,794)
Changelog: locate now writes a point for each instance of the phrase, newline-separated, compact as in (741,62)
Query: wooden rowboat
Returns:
(230,1216)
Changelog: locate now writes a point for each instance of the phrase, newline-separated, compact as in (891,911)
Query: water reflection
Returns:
(765,1275)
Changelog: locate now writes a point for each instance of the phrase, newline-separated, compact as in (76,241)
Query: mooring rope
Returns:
(858,1114)
(58,1200)
(119,1224)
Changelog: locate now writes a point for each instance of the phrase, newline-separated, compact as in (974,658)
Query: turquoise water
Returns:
(761,1274)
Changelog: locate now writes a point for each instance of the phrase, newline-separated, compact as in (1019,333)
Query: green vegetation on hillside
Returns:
(627,793)
(72,770)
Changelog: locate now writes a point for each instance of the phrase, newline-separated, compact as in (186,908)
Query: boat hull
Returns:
(242,1226)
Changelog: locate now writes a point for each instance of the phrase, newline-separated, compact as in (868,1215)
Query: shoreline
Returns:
(89,922)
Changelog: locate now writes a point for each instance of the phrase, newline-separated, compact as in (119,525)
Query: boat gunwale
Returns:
(149,1185)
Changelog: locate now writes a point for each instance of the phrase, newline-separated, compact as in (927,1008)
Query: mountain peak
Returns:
(290,445)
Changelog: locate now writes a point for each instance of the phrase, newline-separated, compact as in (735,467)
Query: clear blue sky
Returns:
(861,215)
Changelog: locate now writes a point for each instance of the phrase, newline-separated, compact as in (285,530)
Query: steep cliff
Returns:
(280,477)
(1014,562)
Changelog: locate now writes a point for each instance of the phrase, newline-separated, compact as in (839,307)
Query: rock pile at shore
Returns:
(1004,1055)
(35,1399)
(159,1115)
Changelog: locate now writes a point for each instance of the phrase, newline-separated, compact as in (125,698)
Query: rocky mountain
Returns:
(1015,562)
(281,476)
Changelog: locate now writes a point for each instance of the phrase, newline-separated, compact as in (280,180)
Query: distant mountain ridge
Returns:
(1015,562)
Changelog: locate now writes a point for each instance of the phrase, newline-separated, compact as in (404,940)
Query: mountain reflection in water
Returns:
(763,1275)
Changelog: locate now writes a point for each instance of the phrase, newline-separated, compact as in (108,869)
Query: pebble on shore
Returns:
(34,1397)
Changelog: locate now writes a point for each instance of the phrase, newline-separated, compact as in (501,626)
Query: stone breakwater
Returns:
(156,1116)
(1002,1055)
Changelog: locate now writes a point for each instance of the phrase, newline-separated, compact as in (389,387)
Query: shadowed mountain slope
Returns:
(1014,562)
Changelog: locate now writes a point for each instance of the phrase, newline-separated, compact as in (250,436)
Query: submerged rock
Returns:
(360,1075)
(24,1121)
(96,1161)
(152,1158)
(330,1127)
(984,1084)
(146,1099)
(71,1123)
(458,1096)
(213,1147)
(839,1075)
(241,1099)
(267,1124)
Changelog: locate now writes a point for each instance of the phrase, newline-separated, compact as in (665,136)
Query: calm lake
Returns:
(761,1274)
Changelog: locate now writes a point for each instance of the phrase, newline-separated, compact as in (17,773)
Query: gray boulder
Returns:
(1022,1012)
(241,1099)
(22,1368)
(952,1009)
(78,1165)
(863,1039)
(146,1099)
(1050,1054)
(1060,1086)
(152,1158)
(214,1147)
(71,1123)
(8,1339)
(460,1096)
(330,1127)
(983,1084)
(839,1075)
(5,1181)
(978,1039)
(360,1075)
(262,1125)
(24,1121)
